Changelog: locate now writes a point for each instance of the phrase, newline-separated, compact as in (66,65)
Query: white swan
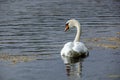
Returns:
(75,48)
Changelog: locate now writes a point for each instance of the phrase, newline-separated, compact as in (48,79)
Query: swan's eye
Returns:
(66,24)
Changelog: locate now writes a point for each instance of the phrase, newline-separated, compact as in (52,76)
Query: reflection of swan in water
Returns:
(73,67)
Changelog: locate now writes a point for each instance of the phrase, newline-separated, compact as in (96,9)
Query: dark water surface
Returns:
(32,35)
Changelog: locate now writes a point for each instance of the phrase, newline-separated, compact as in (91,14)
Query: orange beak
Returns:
(66,27)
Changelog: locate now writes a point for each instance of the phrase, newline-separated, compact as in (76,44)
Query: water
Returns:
(32,35)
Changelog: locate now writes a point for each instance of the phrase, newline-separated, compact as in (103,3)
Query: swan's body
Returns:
(75,48)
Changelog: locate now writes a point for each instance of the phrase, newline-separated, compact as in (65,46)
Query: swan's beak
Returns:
(66,27)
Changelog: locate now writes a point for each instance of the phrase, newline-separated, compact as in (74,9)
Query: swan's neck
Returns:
(77,37)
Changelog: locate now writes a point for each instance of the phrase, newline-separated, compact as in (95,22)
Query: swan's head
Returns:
(71,23)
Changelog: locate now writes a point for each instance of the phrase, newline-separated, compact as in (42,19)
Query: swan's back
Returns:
(79,47)
(74,49)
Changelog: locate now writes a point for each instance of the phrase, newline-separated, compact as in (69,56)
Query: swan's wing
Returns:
(66,49)
(74,49)
(80,47)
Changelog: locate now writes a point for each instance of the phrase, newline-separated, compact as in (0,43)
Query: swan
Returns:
(75,48)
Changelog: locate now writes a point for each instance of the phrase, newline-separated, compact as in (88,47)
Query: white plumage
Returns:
(75,48)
